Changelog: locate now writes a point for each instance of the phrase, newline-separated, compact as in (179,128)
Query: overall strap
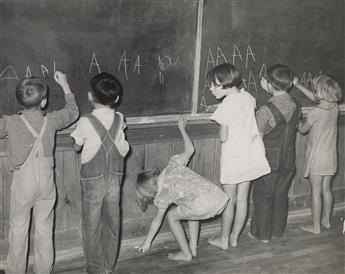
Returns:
(107,141)
(277,114)
(37,147)
(100,128)
(29,127)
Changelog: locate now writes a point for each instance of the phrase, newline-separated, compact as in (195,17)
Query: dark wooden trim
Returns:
(153,133)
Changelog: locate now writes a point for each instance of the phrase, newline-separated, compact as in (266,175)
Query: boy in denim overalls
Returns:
(100,136)
(31,141)
(277,122)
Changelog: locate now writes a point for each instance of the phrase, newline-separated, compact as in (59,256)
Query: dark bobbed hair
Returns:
(31,91)
(226,74)
(106,88)
(145,192)
(280,77)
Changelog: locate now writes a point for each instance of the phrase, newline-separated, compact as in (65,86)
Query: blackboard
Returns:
(306,35)
(148,44)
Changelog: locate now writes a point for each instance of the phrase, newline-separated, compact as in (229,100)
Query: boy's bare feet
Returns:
(180,256)
(253,237)
(218,242)
(311,229)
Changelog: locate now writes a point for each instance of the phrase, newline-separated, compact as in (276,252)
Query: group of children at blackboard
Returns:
(256,146)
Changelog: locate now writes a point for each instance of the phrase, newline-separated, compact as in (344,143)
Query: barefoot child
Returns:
(321,158)
(183,195)
(100,138)
(277,122)
(242,149)
(31,141)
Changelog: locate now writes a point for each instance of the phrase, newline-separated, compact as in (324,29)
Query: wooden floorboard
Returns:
(297,252)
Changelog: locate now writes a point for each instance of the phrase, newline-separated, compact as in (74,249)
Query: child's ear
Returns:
(89,96)
(43,103)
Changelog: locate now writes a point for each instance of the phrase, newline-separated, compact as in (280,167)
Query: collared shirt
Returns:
(20,140)
(264,117)
(85,135)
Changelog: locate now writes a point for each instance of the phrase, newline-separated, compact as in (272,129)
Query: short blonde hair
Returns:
(145,192)
(326,88)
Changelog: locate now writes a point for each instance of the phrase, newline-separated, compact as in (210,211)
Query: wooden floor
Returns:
(297,252)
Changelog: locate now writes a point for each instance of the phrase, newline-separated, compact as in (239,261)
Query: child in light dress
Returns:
(242,149)
(181,194)
(321,154)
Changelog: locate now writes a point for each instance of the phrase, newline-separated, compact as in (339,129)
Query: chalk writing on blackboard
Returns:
(163,63)
(245,59)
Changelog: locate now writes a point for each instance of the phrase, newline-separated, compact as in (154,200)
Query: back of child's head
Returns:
(31,91)
(106,89)
(226,74)
(326,88)
(145,192)
(280,77)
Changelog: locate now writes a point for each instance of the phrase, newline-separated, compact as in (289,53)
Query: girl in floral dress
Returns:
(181,194)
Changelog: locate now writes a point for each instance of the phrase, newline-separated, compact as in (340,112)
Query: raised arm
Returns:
(70,112)
(188,144)
(305,91)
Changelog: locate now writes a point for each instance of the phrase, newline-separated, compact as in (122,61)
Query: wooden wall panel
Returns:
(145,155)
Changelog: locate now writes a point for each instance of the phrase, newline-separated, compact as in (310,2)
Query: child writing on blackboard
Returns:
(242,149)
(100,138)
(277,122)
(31,141)
(321,153)
(181,194)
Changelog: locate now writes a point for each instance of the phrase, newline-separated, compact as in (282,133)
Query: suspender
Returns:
(38,136)
(277,114)
(103,134)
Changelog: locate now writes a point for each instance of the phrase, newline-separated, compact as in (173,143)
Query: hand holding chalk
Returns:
(61,79)
(296,82)
(182,122)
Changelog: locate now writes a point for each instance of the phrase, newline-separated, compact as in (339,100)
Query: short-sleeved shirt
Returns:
(243,154)
(86,136)
(196,197)
(321,153)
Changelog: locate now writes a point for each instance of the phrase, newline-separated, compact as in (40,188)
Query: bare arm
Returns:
(308,93)
(304,126)
(155,225)
(188,144)
(76,147)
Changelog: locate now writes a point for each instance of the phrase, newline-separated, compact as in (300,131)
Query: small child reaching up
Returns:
(321,153)
(183,194)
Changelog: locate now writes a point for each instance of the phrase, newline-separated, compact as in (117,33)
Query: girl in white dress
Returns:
(242,149)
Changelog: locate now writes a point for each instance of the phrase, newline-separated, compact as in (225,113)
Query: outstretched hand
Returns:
(296,82)
(143,248)
(61,79)
(182,122)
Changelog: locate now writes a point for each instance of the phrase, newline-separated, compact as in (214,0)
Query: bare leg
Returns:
(179,234)
(327,201)
(227,218)
(193,236)
(316,208)
(241,212)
